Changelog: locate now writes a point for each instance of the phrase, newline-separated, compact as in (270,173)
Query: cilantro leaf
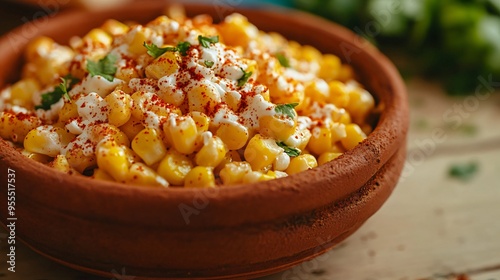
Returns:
(206,41)
(283,60)
(291,151)
(464,171)
(105,67)
(50,98)
(183,47)
(155,51)
(244,79)
(286,109)
(209,63)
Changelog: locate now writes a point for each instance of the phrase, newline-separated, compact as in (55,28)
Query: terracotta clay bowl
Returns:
(227,233)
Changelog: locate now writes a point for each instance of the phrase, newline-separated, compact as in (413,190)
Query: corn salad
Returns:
(183,102)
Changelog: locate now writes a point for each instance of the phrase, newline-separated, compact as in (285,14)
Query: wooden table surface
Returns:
(434,226)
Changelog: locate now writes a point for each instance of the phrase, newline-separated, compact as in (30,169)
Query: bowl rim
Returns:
(357,165)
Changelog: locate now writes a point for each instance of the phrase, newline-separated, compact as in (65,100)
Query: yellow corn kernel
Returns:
(174,167)
(345,118)
(283,92)
(60,163)
(201,120)
(203,98)
(126,73)
(112,159)
(299,139)
(200,177)
(252,177)
(261,152)
(327,157)
(15,127)
(132,127)
(361,103)
(36,157)
(99,38)
(149,146)
(165,65)
(321,140)
(346,73)
(338,131)
(43,140)
(311,54)
(212,153)
(234,135)
(101,175)
(338,95)
(114,27)
(38,48)
(104,131)
(301,163)
(67,112)
(236,30)
(354,136)
(279,127)
(22,92)
(147,103)
(182,132)
(141,174)
(120,107)
(234,172)
(136,38)
(176,12)
(318,91)
(329,67)
(80,161)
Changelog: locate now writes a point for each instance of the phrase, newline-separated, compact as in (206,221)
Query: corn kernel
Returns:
(233,172)
(236,30)
(200,177)
(102,131)
(183,134)
(114,27)
(212,153)
(301,163)
(329,67)
(132,127)
(321,140)
(78,160)
(327,157)
(112,159)
(16,126)
(68,111)
(234,135)
(101,175)
(261,152)
(149,146)
(60,163)
(338,95)
(201,120)
(165,65)
(22,92)
(99,38)
(203,98)
(361,103)
(120,108)
(354,136)
(38,48)
(279,127)
(174,167)
(136,38)
(141,174)
(36,157)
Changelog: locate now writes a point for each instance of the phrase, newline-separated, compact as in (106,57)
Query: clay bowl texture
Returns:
(225,233)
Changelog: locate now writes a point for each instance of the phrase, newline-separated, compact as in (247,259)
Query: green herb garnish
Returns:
(291,151)
(464,171)
(209,63)
(50,98)
(206,41)
(155,51)
(283,60)
(244,79)
(286,109)
(105,67)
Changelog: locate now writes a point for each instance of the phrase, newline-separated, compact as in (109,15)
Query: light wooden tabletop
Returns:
(434,227)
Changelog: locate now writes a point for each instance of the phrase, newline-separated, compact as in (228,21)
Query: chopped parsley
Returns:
(50,98)
(206,41)
(244,79)
(463,171)
(155,51)
(286,109)
(105,67)
(283,60)
(291,151)
(209,63)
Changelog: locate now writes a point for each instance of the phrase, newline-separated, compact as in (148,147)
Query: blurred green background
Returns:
(453,41)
